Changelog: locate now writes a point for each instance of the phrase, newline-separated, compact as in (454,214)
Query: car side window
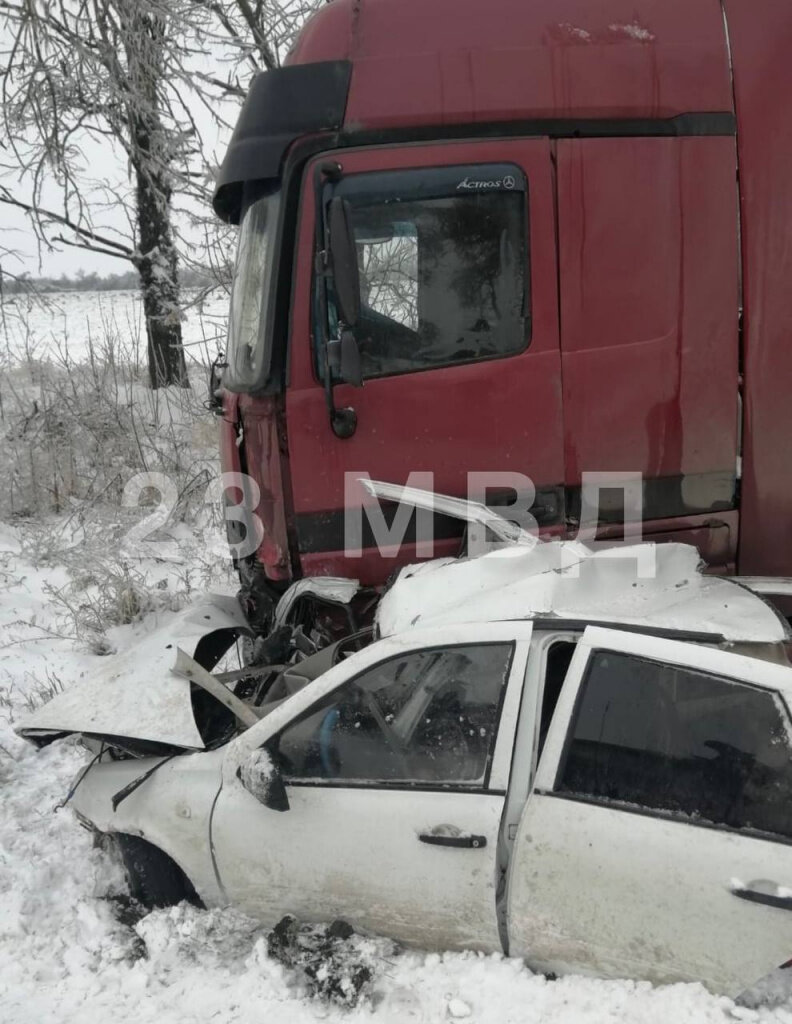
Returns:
(559,655)
(428,717)
(671,739)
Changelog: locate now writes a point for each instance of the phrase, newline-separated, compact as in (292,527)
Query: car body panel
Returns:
(171,809)
(474,513)
(625,891)
(649,366)
(772,586)
(352,850)
(135,694)
(354,853)
(759,48)
(507,60)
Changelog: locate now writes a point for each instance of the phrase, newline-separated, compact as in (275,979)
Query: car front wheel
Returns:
(154,879)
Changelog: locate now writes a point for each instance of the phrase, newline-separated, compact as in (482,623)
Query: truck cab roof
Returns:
(509,59)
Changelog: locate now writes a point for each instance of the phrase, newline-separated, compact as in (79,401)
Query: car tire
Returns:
(155,880)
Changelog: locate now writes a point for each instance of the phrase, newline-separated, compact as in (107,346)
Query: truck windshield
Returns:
(442,256)
(249,349)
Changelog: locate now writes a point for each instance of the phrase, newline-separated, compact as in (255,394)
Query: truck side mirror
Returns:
(344,358)
(351,370)
(215,403)
(343,261)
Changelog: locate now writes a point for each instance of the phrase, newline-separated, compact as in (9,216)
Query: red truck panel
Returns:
(421,63)
(264,461)
(761,37)
(648,260)
(493,415)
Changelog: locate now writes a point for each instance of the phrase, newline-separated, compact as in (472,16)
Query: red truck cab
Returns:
(573,231)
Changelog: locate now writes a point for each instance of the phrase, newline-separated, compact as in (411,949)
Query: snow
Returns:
(69,323)
(256,772)
(633,31)
(575,32)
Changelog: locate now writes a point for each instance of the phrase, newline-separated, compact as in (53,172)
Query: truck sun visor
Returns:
(280,106)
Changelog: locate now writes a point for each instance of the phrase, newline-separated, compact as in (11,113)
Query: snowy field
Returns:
(68,324)
(68,951)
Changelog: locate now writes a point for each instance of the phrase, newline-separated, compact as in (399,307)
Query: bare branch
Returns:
(93,248)
(83,232)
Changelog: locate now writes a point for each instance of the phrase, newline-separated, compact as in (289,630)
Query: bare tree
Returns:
(124,82)
(90,78)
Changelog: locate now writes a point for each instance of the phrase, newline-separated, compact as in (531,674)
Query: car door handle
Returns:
(768,893)
(460,842)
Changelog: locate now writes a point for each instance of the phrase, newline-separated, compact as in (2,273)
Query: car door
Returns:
(657,840)
(396,764)
(458,338)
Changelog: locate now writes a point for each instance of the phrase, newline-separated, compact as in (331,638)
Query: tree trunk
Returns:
(156,264)
(155,260)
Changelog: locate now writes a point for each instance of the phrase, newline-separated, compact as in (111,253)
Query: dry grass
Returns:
(76,432)
(74,437)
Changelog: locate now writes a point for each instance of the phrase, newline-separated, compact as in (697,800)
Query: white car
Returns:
(541,753)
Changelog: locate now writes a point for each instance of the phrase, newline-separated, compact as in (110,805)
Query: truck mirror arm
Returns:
(341,355)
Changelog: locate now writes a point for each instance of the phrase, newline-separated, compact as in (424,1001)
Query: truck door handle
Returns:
(460,842)
(764,892)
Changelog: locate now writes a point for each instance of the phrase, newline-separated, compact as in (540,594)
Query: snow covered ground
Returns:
(68,953)
(69,322)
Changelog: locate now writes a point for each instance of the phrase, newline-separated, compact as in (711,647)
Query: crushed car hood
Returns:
(135,695)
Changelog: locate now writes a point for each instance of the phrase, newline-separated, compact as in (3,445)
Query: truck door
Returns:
(656,841)
(458,337)
(649,298)
(396,763)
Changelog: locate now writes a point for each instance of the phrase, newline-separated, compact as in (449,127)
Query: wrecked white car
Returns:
(536,751)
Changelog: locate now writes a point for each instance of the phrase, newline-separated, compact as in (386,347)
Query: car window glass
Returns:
(672,739)
(426,717)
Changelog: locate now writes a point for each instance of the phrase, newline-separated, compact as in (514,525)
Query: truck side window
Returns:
(442,255)
(249,344)
(424,718)
(683,742)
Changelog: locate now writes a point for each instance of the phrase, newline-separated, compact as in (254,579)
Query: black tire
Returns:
(154,879)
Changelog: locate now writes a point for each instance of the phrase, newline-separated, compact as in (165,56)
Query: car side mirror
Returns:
(262,779)
(343,261)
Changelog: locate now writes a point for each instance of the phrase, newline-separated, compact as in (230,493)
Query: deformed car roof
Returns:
(652,586)
(648,585)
